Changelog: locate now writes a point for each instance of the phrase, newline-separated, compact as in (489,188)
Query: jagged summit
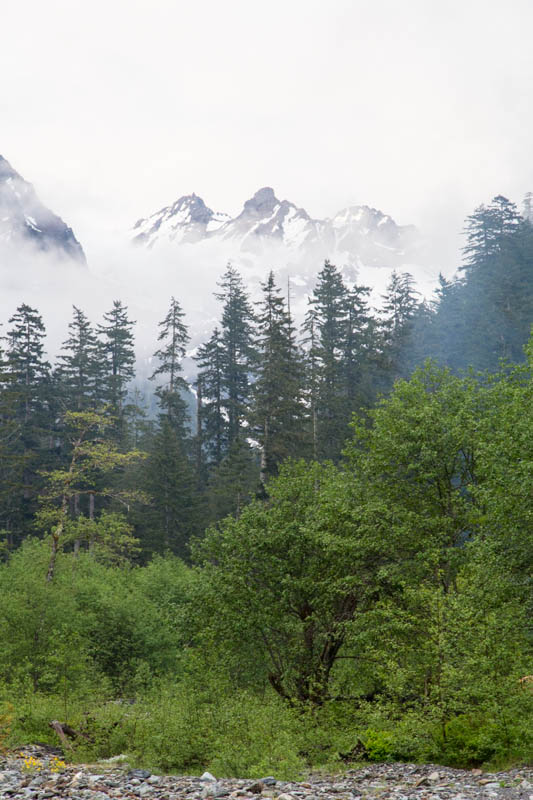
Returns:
(263,202)
(25,220)
(186,220)
(358,234)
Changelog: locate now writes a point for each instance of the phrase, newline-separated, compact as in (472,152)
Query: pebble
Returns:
(372,782)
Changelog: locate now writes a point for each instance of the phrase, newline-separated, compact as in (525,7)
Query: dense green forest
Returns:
(330,559)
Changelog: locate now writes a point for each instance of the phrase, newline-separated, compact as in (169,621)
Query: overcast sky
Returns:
(114,108)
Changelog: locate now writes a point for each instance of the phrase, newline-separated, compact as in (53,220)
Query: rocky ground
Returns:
(38,774)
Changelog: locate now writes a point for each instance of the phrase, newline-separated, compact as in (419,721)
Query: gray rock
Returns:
(141,774)
(207,777)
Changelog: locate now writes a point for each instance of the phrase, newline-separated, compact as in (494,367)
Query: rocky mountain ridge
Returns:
(24,220)
(358,234)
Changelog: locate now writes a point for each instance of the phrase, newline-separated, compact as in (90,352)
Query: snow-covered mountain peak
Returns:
(24,220)
(268,229)
(186,220)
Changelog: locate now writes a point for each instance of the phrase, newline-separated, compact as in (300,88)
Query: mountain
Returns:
(187,220)
(25,220)
(358,235)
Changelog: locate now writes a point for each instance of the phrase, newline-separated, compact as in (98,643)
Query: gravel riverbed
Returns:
(373,782)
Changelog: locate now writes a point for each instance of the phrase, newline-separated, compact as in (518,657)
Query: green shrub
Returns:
(379,745)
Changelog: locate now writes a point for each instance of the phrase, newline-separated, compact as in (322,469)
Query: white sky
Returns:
(114,108)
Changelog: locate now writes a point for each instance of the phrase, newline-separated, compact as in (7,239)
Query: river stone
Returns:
(140,774)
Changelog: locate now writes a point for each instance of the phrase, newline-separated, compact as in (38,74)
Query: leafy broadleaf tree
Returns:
(91,456)
(284,581)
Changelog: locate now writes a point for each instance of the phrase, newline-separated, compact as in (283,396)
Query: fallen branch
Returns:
(63,730)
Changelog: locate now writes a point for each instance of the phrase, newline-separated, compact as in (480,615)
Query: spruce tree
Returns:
(400,305)
(118,358)
(277,414)
(359,351)
(174,338)
(79,372)
(497,280)
(28,407)
(172,515)
(238,356)
(325,328)
(234,482)
(211,435)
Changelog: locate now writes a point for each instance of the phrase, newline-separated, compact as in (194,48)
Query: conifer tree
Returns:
(174,338)
(497,288)
(326,328)
(234,482)
(488,230)
(277,412)
(169,472)
(9,434)
(80,371)
(399,308)
(238,356)
(211,425)
(118,357)
(29,415)
(358,357)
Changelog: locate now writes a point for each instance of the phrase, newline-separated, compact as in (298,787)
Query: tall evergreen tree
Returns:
(80,370)
(29,416)
(359,356)
(169,472)
(211,425)
(118,357)
(488,230)
(277,412)
(174,338)
(497,284)
(400,306)
(325,328)
(237,350)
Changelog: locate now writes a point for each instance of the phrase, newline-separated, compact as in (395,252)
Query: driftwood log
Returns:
(63,731)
